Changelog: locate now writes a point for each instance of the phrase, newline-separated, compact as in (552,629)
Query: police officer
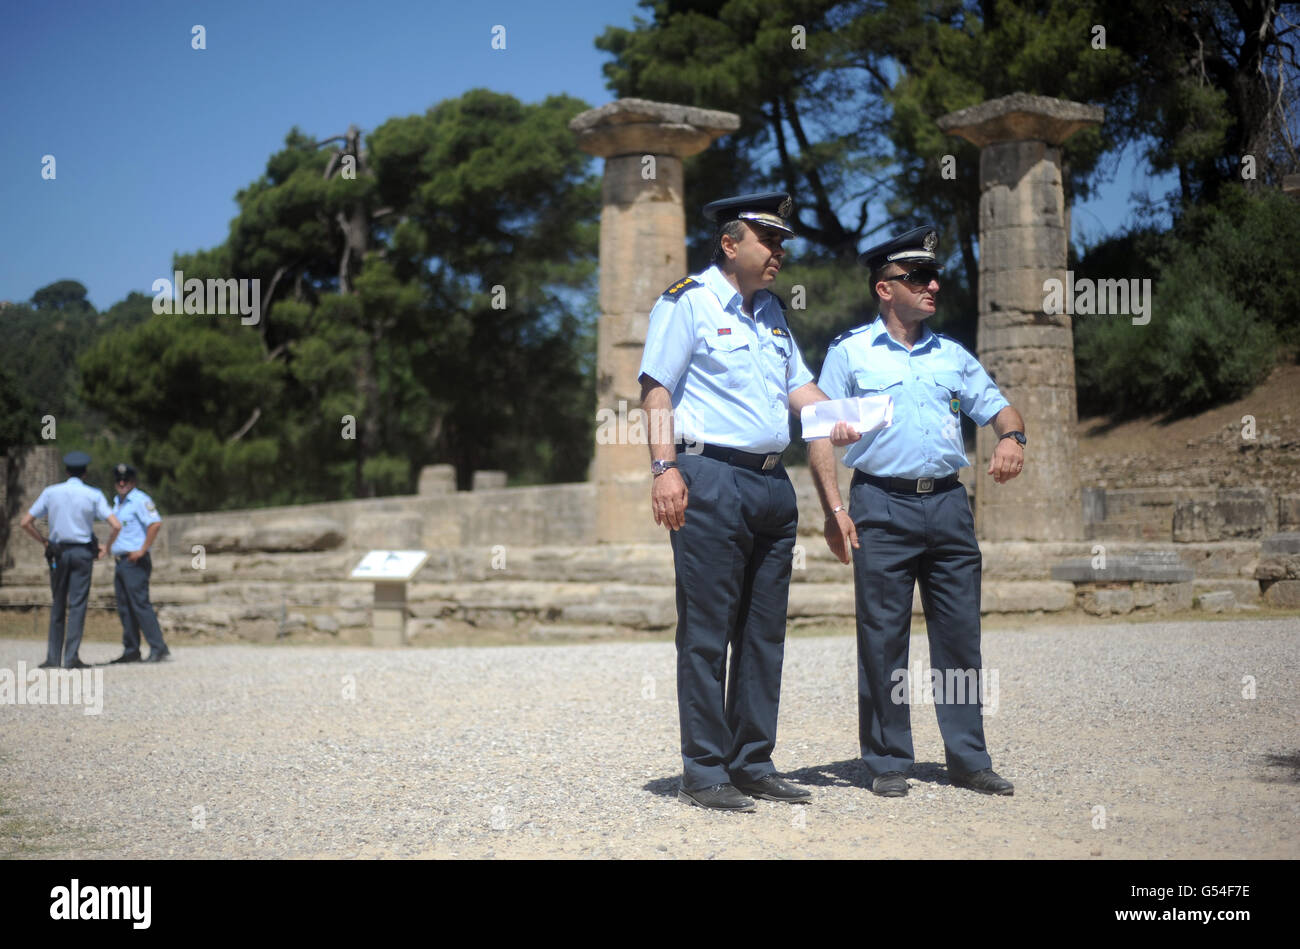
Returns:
(71,550)
(140,524)
(720,354)
(909,519)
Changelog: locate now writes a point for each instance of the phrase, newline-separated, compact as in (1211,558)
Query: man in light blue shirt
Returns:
(720,375)
(71,551)
(140,525)
(910,520)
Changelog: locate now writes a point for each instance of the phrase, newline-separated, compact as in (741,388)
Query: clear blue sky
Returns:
(152,138)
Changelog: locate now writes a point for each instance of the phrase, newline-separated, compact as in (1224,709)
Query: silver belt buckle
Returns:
(770,462)
(924,485)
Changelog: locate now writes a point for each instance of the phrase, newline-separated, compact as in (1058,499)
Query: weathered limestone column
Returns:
(1024,232)
(642,251)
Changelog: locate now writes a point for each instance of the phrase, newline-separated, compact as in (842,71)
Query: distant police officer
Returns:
(720,353)
(72,508)
(910,520)
(140,524)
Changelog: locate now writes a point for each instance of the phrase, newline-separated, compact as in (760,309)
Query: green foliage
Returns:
(1226,302)
(437,305)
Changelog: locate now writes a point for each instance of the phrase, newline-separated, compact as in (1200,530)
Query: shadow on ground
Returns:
(851,772)
(1290,762)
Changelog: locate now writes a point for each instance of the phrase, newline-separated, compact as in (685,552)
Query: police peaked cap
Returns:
(76,459)
(769,208)
(916,246)
(123,470)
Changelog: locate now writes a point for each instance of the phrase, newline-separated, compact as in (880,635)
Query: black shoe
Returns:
(158,655)
(126,657)
(890,784)
(720,797)
(48,665)
(76,664)
(987,781)
(772,788)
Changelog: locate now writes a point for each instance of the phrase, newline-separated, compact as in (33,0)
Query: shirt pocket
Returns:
(876,382)
(728,359)
(947,389)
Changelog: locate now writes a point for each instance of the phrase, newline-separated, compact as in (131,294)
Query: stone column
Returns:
(1024,233)
(642,251)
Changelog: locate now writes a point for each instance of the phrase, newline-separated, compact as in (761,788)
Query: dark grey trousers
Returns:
(70,590)
(131,584)
(733,558)
(905,540)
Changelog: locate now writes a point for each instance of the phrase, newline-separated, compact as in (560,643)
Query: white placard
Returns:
(865,414)
(389,565)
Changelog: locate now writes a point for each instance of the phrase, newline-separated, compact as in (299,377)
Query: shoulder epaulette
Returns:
(846,334)
(950,339)
(680,287)
(779,301)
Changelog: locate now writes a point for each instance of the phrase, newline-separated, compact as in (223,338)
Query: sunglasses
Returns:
(921,276)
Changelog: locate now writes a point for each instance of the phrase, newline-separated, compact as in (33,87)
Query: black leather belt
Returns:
(732,456)
(68,544)
(907,485)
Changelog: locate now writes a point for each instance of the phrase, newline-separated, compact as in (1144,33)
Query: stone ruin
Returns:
(582,561)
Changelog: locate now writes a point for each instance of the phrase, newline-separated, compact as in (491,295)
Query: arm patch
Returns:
(680,287)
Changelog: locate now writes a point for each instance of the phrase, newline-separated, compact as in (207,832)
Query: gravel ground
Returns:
(570,751)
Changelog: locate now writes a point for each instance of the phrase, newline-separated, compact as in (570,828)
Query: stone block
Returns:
(1120,599)
(557,631)
(218,537)
(297,534)
(325,623)
(1287,542)
(349,618)
(1234,513)
(394,531)
(1106,602)
(1220,601)
(1288,512)
(1282,593)
(1026,596)
(1244,592)
(160,593)
(1149,567)
(436,479)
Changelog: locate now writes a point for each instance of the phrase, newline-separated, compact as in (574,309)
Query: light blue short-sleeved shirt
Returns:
(72,508)
(930,384)
(730,375)
(136,512)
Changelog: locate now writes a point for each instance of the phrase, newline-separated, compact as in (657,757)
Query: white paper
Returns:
(865,414)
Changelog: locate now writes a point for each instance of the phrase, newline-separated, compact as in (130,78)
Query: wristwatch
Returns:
(658,467)
(1018,436)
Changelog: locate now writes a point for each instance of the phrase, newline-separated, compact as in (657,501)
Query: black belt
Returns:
(907,485)
(732,456)
(65,544)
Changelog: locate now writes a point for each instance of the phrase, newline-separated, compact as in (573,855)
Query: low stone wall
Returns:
(526,559)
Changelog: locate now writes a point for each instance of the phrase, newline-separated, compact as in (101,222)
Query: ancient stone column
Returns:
(1024,232)
(642,251)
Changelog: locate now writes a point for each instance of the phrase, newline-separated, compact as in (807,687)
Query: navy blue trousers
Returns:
(131,585)
(70,590)
(733,558)
(905,540)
